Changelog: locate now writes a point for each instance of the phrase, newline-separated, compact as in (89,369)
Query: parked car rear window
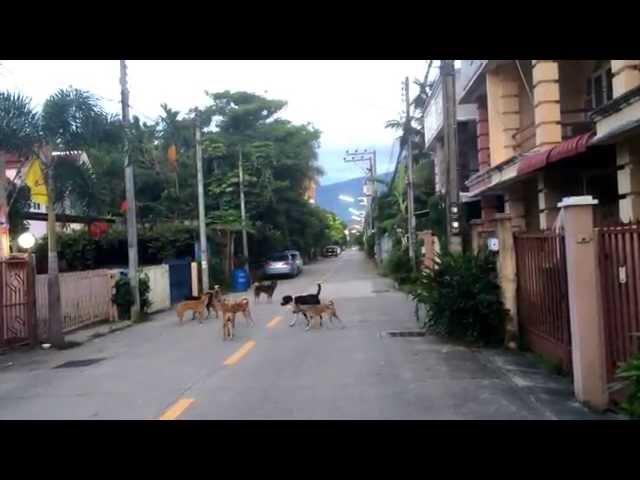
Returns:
(279,258)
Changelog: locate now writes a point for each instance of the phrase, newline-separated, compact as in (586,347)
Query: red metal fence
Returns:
(619,264)
(17,312)
(543,302)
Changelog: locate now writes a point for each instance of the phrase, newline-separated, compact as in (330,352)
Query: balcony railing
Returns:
(525,138)
(573,123)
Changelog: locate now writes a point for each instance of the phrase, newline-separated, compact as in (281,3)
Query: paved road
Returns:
(272,371)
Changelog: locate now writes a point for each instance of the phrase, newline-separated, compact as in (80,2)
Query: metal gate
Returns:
(179,280)
(17,305)
(619,265)
(543,300)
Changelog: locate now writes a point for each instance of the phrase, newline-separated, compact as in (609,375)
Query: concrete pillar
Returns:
(546,100)
(626,75)
(509,105)
(587,329)
(507,277)
(515,208)
(548,197)
(482,131)
(195,287)
(628,160)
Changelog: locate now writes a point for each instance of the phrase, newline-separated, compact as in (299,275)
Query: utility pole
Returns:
(245,247)
(450,122)
(204,250)
(366,156)
(409,146)
(132,230)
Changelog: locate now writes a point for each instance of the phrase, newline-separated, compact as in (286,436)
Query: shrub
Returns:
(398,266)
(123,298)
(370,246)
(462,295)
(629,373)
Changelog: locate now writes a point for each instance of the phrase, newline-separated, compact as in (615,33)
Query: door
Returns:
(179,280)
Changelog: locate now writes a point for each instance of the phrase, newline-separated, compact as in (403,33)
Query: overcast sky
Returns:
(349,101)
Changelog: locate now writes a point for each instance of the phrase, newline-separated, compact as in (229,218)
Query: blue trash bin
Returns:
(240,281)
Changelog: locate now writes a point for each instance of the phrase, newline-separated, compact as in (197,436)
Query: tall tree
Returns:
(71,120)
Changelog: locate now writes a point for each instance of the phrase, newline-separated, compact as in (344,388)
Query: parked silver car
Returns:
(285,263)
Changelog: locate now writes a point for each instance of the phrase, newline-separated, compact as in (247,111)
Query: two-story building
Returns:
(535,139)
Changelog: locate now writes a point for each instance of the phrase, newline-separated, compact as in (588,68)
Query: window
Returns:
(600,86)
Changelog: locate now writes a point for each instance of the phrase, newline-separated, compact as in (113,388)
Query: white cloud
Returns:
(349,101)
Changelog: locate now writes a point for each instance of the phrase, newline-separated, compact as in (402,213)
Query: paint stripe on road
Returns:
(274,321)
(175,410)
(241,352)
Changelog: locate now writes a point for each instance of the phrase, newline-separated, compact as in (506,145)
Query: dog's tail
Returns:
(319,288)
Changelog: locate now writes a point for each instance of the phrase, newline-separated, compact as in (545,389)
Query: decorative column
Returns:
(515,208)
(482,131)
(628,159)
(548,197)
(626,75)
(546,99)
(587,329)
(509,105)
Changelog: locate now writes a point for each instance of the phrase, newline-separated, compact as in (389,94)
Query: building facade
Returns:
(544,133)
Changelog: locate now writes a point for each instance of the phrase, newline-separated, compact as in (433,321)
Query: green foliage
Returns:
(123,297)
(19,207)
(19,124)
(72,119)
(629,375)
(78,251)
(370,246)
(463,297)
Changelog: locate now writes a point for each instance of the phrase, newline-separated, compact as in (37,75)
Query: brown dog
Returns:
(240,306)
(266,288)
(316,311)
(215,298)
(228,325)
(196,306)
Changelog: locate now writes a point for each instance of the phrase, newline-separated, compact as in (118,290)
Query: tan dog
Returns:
(196,306)
(240,306)
(215,299)
(228,325)
(317,311)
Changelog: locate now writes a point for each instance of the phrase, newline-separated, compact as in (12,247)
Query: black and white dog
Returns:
(309,299)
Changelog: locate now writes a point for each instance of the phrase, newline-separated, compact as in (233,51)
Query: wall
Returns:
(159,287)
(86,299)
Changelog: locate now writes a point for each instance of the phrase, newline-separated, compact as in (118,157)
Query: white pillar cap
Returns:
(577,201)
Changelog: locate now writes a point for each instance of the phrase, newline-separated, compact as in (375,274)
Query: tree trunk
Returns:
(56,336)
(4,211)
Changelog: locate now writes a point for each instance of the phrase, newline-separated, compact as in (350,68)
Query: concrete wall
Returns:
(159,294)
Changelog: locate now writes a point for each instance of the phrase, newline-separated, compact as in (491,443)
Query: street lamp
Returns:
(26,241)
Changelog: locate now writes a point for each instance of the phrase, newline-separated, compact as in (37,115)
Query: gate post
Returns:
(507,276)
(587,329)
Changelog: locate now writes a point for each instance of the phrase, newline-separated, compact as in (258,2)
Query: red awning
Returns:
(533,161)
(568,148)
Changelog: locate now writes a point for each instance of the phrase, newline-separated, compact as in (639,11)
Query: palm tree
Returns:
(70,121)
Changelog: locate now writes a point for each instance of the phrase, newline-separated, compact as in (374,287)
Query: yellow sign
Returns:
(34,178)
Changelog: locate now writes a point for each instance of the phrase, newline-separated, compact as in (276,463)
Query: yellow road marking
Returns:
(175,410)
(241,352)
(274,321)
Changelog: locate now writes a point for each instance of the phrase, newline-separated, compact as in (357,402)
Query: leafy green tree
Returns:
(71,120)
